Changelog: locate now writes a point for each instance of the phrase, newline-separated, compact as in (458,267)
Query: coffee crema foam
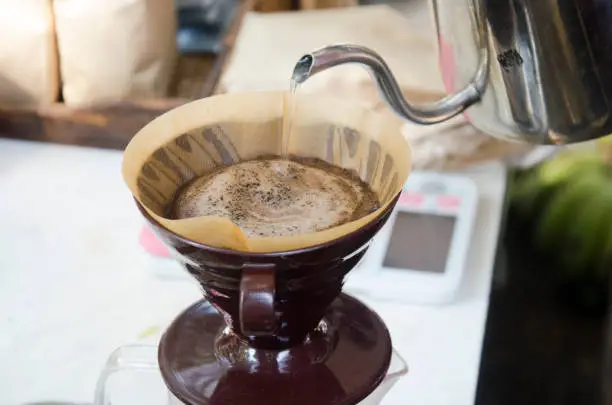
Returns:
(277,197)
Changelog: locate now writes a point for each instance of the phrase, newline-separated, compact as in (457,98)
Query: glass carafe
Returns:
(131,376)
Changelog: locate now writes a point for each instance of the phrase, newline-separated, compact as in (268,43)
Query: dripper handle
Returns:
(257,290)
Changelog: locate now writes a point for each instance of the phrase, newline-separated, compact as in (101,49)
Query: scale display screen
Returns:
(420,242)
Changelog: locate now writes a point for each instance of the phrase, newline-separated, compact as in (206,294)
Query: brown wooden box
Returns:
(112,126)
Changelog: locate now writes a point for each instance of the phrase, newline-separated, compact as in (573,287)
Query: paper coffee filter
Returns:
(197,137)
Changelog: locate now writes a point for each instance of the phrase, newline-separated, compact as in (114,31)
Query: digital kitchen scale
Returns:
(421,254)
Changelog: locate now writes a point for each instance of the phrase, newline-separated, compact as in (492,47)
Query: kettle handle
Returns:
(480,78)
(458,101)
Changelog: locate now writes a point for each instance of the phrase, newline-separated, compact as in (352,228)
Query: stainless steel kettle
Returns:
(538,71)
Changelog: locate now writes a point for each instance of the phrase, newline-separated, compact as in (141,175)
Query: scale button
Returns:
(448,201)
(411,199)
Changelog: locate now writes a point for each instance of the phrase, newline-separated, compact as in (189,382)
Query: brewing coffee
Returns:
(271,196)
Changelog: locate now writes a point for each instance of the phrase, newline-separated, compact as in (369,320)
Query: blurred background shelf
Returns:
(111,126)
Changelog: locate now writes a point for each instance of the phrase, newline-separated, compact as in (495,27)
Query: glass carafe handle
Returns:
(397,369)
(117,384)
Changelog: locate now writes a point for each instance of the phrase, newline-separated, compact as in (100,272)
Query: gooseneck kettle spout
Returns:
(515,72)
(432,113)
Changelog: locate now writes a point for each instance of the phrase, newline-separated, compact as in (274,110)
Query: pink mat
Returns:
(152,244)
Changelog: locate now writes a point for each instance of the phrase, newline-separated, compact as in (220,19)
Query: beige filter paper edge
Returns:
(250,125)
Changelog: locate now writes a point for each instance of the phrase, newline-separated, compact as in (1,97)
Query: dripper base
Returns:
(346,357)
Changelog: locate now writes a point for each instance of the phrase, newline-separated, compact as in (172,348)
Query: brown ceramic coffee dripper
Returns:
(278,326)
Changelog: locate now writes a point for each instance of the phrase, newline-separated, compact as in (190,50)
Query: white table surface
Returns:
(75,284)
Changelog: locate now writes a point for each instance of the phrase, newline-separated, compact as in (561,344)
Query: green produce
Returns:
(535,185)
(568,198)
